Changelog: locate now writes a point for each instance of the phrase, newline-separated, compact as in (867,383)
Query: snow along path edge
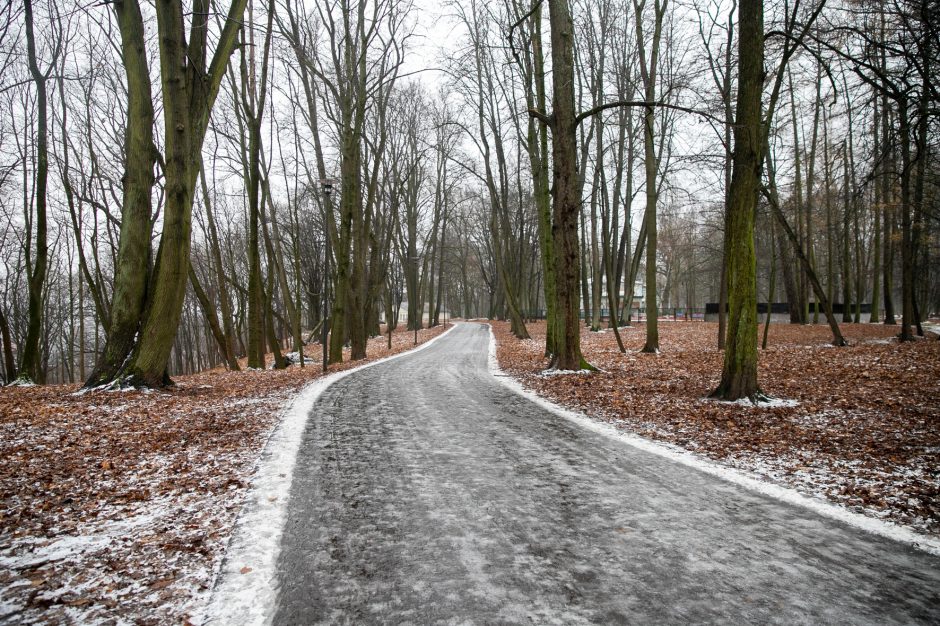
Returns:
(245,589)
(689,459)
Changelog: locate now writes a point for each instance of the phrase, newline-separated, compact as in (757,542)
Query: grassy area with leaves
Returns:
(863,430)
(117,506)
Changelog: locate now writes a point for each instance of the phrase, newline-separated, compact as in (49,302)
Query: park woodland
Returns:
(187,185)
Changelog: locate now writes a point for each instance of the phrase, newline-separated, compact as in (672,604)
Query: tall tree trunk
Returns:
(907,253)
(585,271)
(596,279)
(132,270)
(566,189)
(810,184)
(725,88)
(597,269)
(225,304)
(921,130)
(539,164)
(890,218)
(256,330)
(854,205)
(252,102)
(31,368)
(8,360)
(875,316)
(441,301)
(846,267)
(274,342)
(188,97)
(830,227)
(890,230)
(739,372)
(274,248)
(802,303)
(772,288)
(339,312)
(649,70)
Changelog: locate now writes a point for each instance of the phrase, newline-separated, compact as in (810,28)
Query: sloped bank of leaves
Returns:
(864,431)
(116,507)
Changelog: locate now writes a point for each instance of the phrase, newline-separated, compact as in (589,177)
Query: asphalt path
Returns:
(427,492)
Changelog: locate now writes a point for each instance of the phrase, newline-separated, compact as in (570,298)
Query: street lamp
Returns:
(326,185)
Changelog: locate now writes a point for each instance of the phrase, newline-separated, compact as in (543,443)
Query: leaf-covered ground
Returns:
(116,507)
(864,431)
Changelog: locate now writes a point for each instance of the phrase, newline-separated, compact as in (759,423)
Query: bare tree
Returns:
(37,254)
(146,316)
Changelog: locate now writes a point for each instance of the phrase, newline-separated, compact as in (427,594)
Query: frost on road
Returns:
(425,491)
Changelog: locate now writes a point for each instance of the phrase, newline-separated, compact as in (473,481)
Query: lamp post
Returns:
(326,185)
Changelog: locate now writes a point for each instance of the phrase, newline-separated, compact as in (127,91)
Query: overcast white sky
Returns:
(435,32)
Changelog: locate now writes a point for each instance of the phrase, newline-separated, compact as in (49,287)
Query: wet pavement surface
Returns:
(427,492)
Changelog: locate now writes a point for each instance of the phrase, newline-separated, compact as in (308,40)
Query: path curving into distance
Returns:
(425,491)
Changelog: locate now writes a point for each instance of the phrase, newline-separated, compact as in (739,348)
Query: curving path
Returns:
(427,492)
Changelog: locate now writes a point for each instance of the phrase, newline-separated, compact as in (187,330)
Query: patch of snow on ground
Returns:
(293,358)
(551,373)
(768,402)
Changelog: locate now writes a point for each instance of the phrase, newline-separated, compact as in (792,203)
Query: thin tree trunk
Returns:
(830,227)
(8,359)
(649,69)
(846,268)
(729,125)
(801,281)
(771,290)
(225,304)
(907,253)
(810,183)
(635,267)
(31,368)
(875,316)
(770,193)
(273,247)
(274,343)
(209,313)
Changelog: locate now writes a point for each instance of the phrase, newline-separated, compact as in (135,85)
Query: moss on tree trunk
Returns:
(739,373)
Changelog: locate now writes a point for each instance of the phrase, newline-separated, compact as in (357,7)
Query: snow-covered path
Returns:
(425,491)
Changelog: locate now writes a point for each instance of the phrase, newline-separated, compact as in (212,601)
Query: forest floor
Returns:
(117,506)
(862,428)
